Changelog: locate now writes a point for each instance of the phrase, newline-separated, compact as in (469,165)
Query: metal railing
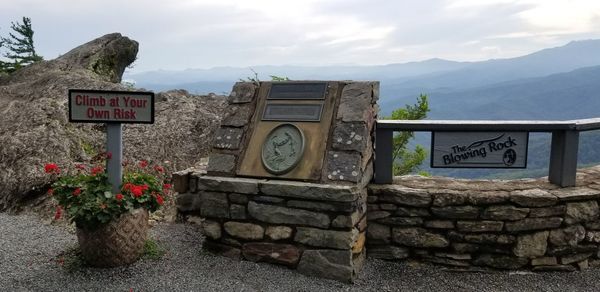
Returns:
(563,151)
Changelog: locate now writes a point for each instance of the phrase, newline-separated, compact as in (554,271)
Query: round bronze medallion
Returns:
(282,149)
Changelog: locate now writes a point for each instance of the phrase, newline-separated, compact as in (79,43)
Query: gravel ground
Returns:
(30,249)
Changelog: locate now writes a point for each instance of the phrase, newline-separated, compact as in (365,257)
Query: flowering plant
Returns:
(86,195)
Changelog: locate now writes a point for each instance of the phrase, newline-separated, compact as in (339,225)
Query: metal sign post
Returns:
(114,146)
(113,108)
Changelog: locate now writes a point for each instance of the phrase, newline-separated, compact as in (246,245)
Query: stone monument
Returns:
(286,180)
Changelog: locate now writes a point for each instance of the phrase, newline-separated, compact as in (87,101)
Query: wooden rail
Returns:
(563,151)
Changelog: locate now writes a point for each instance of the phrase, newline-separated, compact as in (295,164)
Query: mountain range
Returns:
(551,84)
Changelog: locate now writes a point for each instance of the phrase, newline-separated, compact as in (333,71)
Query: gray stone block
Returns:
(571,235)
(355,103)
(387,252)
(211,229)
(533,198)
(228,138)
(480,226)
(378,234)
(548,211)
(331,264)
(283,215)
(238,115)
(505,212)
(500,261)
(311,191)
(401,195)
(401,221)
(221,163)
(285,254)
(531,245)
(214,205)
(246,231)
(278,232)
(533,224)
(242,92)
(268,199)
(344,166)
(439,224)
(187,202)
(350,136)
(582,212)
(456,212)
(237,212)
(418,237)
(320,206)
(228,184)
(326,238)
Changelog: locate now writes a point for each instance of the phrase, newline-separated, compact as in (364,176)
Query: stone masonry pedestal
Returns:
(317,229)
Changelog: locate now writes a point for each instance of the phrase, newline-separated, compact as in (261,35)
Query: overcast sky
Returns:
(180,34)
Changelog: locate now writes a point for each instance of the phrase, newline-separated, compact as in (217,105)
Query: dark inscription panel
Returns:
(293,112)
(313,90)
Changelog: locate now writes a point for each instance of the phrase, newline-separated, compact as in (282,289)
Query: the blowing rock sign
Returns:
(96,106)
(479,149)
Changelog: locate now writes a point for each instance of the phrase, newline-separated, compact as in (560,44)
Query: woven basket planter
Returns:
(120,242)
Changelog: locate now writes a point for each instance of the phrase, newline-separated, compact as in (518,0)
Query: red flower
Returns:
(137,191)
(159,199)
(108,155)
(143,163)
(127,187)
(51,168)
(50,192)
(167,186)
(144,187)
(77,192)
(80,166)
(96,170)
(119,197)
(159,168)
(58,213)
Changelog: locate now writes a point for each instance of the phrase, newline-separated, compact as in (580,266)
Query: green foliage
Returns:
(153,250)
(254,79)
(406,160)
(279,78)
(21,50)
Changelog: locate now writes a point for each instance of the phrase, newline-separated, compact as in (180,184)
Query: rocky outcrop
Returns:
(34,127)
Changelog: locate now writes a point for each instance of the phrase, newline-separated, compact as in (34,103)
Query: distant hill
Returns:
(221,79)
(555,83)
(571,95)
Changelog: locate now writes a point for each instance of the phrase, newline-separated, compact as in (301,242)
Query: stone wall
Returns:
(318,229)
(470,224)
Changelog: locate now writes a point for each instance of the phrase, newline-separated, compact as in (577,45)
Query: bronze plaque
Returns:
(298,90)
(293,112)
(316,133)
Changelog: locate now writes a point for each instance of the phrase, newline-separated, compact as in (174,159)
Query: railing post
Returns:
(383,155)
(563,158)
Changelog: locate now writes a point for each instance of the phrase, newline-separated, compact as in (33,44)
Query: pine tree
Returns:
(21,50)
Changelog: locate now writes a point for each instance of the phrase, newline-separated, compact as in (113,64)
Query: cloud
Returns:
(205,33)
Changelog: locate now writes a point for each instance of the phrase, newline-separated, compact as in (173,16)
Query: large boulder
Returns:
(34,127)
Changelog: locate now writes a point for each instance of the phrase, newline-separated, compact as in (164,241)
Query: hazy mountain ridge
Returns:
(551,84)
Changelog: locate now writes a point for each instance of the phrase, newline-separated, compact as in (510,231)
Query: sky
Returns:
(183,34)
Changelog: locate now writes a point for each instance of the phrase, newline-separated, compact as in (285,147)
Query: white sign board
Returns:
(479,149)
(98,106)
